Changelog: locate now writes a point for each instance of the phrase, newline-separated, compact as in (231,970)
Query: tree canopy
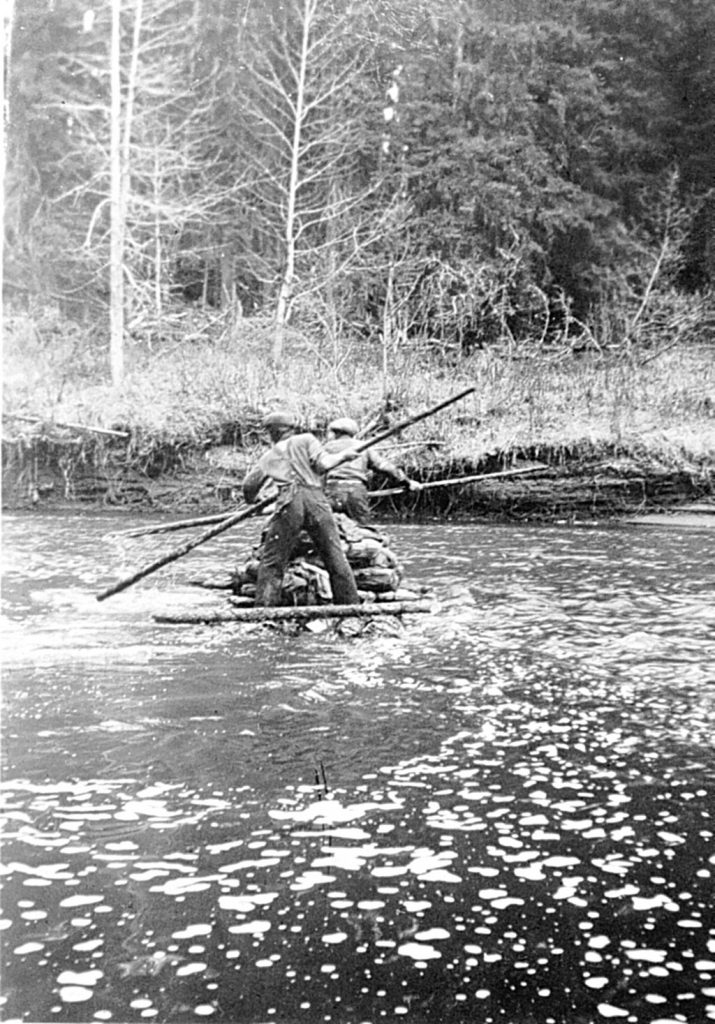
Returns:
(462,170)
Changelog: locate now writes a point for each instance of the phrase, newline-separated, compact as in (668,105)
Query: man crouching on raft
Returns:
(297,464)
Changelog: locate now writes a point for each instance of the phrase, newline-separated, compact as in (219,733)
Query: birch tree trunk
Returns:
(116,308)
(304,120)
(120,161)
(286,288)
(158,248)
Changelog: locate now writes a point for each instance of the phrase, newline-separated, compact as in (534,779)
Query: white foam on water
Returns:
(80,901)
(79,977)
(75,994)
(626,890)
(88,946)
(28,947)
(191,931)
(197,967)
(415,906)
(310,878)
(492,894)
(418,951)
(439,875)
(250,928)
(653,956)
(607,1010)
(342,859)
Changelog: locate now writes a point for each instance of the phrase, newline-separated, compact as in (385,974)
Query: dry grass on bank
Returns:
(189,393)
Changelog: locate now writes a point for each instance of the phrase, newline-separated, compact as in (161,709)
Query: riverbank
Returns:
(579,483)
(618,432)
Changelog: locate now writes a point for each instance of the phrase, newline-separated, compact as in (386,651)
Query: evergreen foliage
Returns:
(513,172)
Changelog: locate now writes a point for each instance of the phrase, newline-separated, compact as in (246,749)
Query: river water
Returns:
(500,813)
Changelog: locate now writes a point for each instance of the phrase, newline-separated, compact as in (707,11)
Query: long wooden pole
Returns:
(455,480)
(178,524)
(301,613)
(245,513)
(221,517)
(260,505)
(403,424)
(181,524)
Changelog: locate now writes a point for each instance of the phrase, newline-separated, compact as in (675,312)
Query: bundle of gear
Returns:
(377,571)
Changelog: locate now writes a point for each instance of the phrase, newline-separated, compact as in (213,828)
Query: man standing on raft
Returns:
(346,485)
(297,464)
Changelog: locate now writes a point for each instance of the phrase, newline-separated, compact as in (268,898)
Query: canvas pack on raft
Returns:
(306,582)
(306,592)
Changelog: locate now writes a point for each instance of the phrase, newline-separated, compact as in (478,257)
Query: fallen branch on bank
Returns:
(455,481)
(419,444)
(65,426)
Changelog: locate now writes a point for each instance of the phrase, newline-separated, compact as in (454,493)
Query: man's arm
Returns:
(252,483)
(383,465)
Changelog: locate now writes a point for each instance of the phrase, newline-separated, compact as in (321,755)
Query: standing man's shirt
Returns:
(298,459)
(358,470)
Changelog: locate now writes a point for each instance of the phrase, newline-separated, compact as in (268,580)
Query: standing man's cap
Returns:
(344,426)
(280,418)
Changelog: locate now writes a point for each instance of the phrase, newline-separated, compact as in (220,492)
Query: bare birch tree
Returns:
(305,118)
(144,181)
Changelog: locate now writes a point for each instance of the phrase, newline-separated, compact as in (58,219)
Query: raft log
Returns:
(300,613)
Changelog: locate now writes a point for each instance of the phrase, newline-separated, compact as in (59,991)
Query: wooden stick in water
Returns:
(237,517)
(299,613)
(178,524)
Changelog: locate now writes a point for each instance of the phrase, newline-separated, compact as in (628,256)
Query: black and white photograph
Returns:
(358,512)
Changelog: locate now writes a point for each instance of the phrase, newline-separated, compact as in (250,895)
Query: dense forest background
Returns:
(455,174)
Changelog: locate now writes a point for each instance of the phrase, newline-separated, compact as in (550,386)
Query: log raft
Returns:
(298,613)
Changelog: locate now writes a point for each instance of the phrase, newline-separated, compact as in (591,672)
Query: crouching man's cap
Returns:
(279,418)
(344,426)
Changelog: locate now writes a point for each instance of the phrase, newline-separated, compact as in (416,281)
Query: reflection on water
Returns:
(501,813)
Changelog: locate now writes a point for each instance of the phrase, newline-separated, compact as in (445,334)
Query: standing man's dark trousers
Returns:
(350,497)
(303,508)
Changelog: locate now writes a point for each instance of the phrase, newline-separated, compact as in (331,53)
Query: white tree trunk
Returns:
(5,113)
(120,142)
(116,307)
(158,254)
(286,289)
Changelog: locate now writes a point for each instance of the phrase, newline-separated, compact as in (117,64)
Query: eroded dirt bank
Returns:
(579,482)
